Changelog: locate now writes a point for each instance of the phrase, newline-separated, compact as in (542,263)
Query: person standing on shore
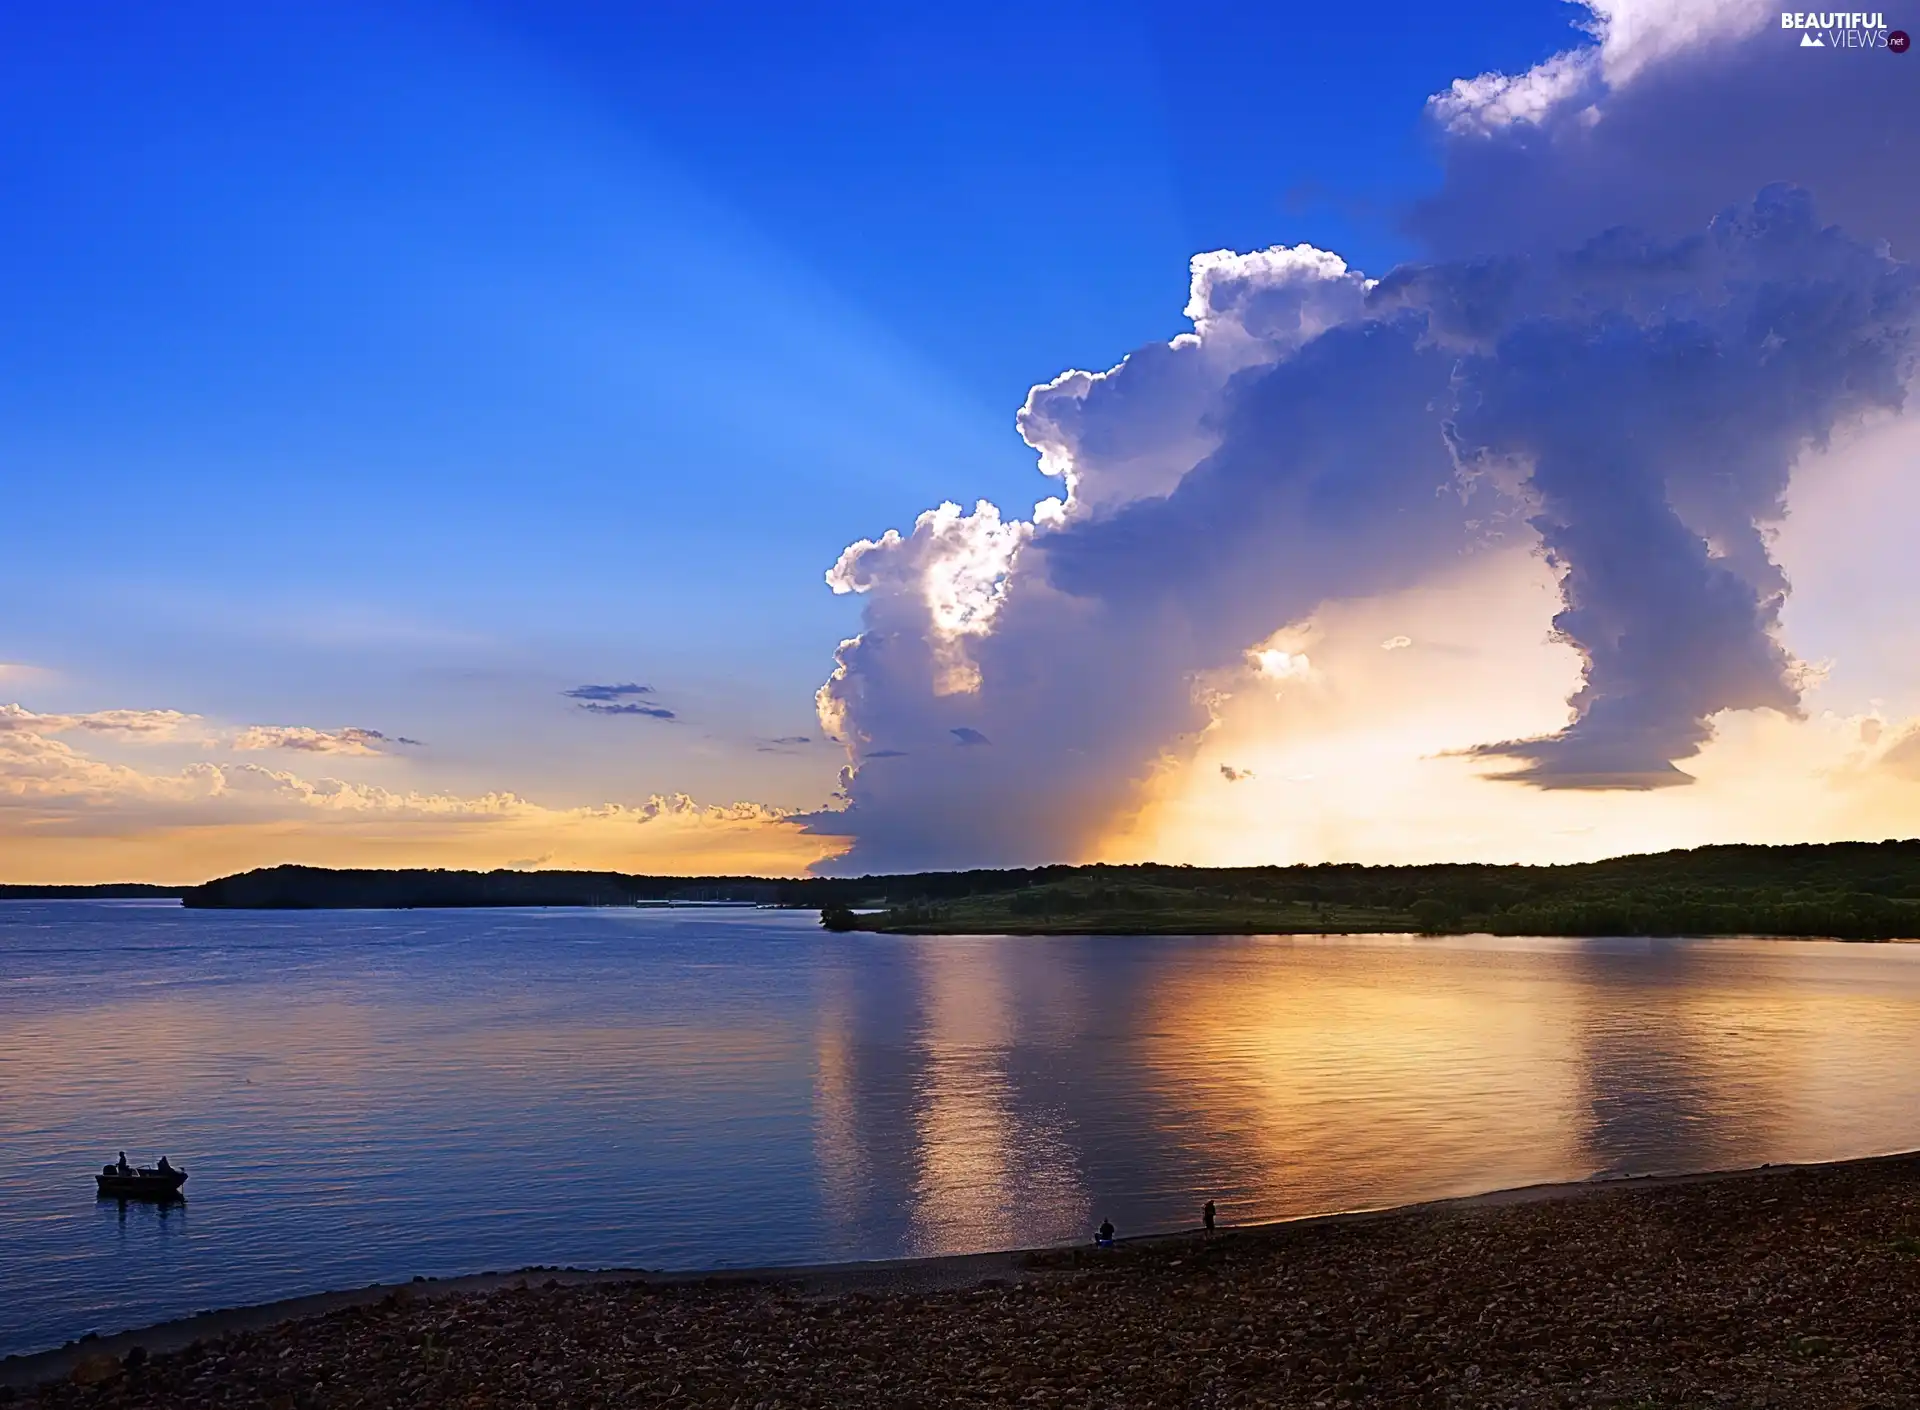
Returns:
(1206,1216)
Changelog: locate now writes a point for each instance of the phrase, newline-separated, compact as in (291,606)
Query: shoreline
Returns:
(867,1278)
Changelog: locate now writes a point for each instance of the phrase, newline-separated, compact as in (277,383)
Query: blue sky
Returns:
(392,364)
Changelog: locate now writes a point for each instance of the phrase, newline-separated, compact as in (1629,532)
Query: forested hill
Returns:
(1846,890)
(1860,890)
(323,888)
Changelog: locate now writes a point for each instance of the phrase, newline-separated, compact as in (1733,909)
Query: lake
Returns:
(367,1096)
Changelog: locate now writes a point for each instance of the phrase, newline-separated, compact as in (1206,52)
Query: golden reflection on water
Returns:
(837,1144)
(984,1158)
(1294,1075)
(1267,1054)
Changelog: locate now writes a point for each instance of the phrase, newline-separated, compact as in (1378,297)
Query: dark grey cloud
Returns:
(607,692)
(1233,775)
(1660,392)
(652,712)
(785,744)
(966,734)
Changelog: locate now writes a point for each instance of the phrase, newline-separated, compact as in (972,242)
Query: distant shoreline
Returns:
(873,1277)
(1837,890)
(1817,891)
(102,891)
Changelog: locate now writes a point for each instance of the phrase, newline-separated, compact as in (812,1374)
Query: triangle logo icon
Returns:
(1808,41)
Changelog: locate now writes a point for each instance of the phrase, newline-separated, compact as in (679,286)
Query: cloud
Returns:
(1659,435)
(1396,643)
(607,692)
(1278,665)
(1233,775)
(617,700)
(175,727)
(354,740)
(1496,102)
(652,712)
(1632,406)
(38,772)
(1135,430)
(1901,757)
(793,739)
(147,725)
(968,735)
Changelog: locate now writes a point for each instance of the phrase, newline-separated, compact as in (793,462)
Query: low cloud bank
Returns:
(68,815)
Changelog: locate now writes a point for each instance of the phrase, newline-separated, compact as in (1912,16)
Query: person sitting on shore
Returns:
(1105,1239)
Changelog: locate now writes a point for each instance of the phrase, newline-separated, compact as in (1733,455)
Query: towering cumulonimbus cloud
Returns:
(1632,403)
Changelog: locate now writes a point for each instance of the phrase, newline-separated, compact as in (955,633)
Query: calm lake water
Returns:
(365,1096)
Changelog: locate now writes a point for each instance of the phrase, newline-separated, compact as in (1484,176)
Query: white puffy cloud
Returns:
(1133,431)
(37,769)
(1493,102)
(1629,37)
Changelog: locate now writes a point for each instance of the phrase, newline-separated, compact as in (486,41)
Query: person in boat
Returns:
(1106,1234)
(120,1166)
(163,1167)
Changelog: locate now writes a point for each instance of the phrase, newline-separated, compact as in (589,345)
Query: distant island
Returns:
(326,888)
(1842,890)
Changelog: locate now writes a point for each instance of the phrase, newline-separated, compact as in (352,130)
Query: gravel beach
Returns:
(1789,1287)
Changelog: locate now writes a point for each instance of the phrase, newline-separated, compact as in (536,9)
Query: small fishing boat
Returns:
(143,1182)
